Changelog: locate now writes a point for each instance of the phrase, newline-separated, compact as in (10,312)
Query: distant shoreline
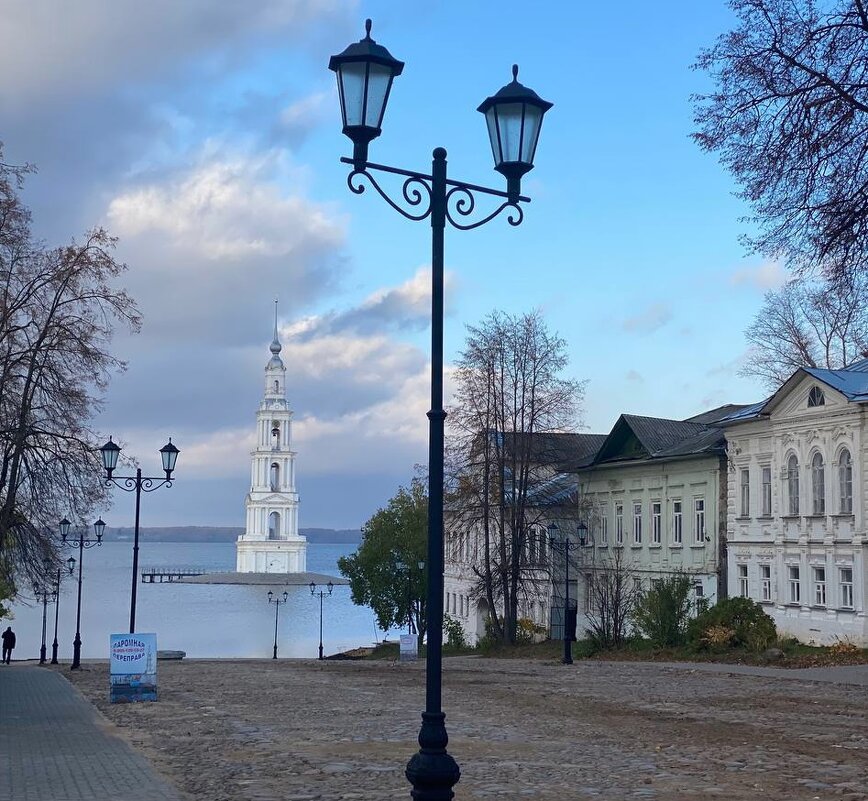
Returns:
(209,534)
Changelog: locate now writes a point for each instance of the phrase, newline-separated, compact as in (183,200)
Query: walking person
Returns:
(8,638)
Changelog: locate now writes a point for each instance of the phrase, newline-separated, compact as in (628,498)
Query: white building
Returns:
(656,492)
(797,504)
(271,542)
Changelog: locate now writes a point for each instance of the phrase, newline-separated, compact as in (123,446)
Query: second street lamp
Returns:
(566,546)
(56,616)
(42,595)
(82,543)
(321,593)
(365,71)
(277,602)
(138,484)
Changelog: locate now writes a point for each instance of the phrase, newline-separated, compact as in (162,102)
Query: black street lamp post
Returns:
(321,593)
(42,594)
(365,71)
(567,546)
(56,616)
(82,543)
(277,602)
(138,484)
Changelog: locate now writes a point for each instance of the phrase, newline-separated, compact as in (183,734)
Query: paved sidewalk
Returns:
(54,746)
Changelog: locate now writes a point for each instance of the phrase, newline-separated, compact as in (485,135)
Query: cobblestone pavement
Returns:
(54,746)
(300,730)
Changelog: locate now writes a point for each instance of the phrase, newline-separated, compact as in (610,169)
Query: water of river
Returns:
(205,620)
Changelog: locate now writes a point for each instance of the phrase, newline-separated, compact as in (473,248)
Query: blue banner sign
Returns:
(133,667)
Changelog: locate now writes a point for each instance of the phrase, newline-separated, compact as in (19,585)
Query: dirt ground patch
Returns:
(299,730)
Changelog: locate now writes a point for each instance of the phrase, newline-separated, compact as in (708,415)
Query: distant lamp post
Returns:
(566,546)
(138,484)
(54,644)
(365,71)
(42,594)
(277,602)
(321,593)
(81,543)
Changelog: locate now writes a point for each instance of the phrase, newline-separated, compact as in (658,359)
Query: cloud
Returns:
(649,320)
(765,276)
(51,48)
(211,244)
(406,307)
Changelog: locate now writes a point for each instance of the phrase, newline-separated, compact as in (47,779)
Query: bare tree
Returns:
(511,403)
(789,118)
(58,310)
(613,593)
(807,325)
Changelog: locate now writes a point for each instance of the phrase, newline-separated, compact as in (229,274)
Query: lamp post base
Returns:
(274,655)
(568,653)
(320,651)
(42,652)
(76,653)
(432,771)
(54,653)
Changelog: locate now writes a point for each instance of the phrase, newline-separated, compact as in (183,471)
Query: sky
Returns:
(206,136)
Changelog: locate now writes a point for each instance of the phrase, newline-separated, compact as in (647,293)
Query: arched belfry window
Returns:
(274,526)
(818,485)
(277,386)
(793,484)
(816,397)
(275,434)
(275,477)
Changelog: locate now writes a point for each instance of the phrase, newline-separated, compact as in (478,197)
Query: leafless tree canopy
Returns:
(510,397)
(788,119)
(58,309)
(807,325)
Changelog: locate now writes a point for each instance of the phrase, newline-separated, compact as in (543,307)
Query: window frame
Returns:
(656,522)
(619,524)
(766,582)
(818,575)
(766,490)
(743,585)
(846,587)
(818,484)
(744,488)
(793,488)
(794,579)
(677,521)
(699,520)
(845,482)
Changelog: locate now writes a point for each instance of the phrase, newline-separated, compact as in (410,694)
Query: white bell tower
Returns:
(271,542)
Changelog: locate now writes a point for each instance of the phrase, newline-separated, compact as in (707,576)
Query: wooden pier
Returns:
(157,575)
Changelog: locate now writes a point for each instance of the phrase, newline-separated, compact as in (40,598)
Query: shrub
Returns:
(454,632)
(844,648)
(662,613)
(527,632)
(718,637)
(751,627)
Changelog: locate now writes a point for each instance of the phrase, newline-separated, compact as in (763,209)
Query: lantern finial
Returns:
(515,72)
(368,28)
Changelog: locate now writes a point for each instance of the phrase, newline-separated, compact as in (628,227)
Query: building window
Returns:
(637,585)
(604,526)
(619,523)
(699,519)
(275,477)
(637,523)
(767,491)
(745,493)
(656,533)
(742,581)
(816,397)
(845,481)
(818,485)
(766,582)
(819,586)
(698,596)
(676,523)
(795,584)
(793,484)
(845,581)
